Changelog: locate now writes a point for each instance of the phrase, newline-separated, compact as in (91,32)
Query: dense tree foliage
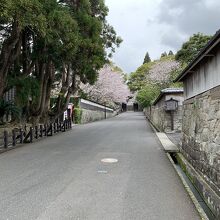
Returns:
(151,77)
(191,48)
(47,41)
(147,94)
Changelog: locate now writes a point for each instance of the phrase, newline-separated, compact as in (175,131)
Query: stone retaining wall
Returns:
(162,119)
(92,115)
(201,140)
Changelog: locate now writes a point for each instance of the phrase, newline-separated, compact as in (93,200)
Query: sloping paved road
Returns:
(62,178)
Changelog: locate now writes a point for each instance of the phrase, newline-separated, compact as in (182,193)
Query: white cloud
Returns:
(192,16)
(158,25)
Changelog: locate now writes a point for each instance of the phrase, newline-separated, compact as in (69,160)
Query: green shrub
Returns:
(147,94)
(77,115)
(8,108)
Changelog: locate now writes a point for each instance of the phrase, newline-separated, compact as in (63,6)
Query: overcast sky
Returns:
(158,25)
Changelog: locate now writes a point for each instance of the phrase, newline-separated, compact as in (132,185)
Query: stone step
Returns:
(167,144)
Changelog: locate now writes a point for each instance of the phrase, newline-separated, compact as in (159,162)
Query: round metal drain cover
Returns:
(109,160)
(103,171)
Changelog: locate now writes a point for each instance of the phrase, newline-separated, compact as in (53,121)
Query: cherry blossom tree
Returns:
(110,87)
(152,77)
(160,71)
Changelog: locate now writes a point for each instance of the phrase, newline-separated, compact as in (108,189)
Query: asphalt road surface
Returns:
(62,177)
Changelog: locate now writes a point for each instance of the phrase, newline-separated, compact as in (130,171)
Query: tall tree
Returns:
(14,17)
(170,53)
(164,54)
(192,47)
(43,41)
(95,35)
(147,58)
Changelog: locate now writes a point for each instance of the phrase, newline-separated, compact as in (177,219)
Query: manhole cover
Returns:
(109,160)
(103,171)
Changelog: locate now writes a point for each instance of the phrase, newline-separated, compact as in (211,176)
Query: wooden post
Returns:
(5,139)
(31,134)
(51,129)
(172,120)
(70,124)
(41,131)
(60,126)
(64,125)
(45,130)
(21,135)
(54,127)
(36,132)
(57,126)
(13,137)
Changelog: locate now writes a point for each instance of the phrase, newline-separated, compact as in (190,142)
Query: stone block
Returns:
(212,125)
(217,139)
(218,179)
(205,135)
(215,93)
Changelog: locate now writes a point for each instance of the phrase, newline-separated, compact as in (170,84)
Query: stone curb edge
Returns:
(155,129)
(199,209)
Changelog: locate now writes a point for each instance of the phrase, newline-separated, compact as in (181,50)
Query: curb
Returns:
(198,207)
(155,129)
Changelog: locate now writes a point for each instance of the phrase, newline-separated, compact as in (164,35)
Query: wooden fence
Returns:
(28,135)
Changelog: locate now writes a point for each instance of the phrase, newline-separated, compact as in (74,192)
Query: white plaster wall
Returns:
(205,77)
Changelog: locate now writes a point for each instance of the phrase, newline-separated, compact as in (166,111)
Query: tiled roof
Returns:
(168,91)
(172,90)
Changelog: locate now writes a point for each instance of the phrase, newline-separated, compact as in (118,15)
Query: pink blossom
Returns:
(110,87)
(161,70)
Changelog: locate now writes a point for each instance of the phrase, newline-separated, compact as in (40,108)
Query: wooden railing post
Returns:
(31,134)
(36,132)
(57,126)
(64,125)
(21,135)
(5,139)
(70,124)
(54,128)
(51,129)
(41,131)
(45,130)
(60,126)
(13,137)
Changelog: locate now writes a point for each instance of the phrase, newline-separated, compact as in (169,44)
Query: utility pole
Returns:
(105,111)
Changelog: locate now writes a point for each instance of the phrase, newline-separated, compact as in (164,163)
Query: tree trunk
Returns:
(62,104)
(7,55)
(46,105)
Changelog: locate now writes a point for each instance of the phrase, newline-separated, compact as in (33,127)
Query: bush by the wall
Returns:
(77,115)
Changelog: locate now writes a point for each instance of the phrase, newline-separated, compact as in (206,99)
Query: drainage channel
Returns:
(193,189)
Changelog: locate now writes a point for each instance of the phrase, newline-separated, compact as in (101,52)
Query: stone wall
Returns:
(201,141)
(162,119)
(92,115)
